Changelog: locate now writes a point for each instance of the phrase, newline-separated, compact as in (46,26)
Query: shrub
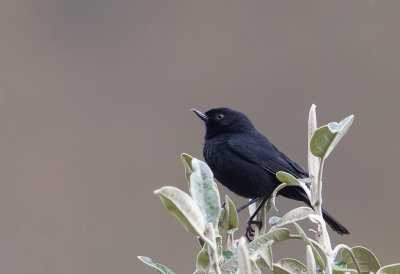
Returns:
(202,216)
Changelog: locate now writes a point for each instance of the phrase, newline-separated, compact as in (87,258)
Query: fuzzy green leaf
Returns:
(312,268)
(159,267)
(230,265)
(275,236)
(390,269)
(313,162)
(304,180)
(288,265)
(295,215)
(203,260)
(227,254)
(365,258)
(287,178)
(280,270)
(243,257)
(187,163)
(204,193)
(246,264)
(274,220)
(228,220)
(266,258)
(317,257)
(326,137)
(183,207)
(254,267)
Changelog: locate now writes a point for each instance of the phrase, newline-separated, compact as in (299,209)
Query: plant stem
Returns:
(213,249)
(324,239)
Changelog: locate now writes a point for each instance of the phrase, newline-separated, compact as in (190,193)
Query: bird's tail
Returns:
(334,224)
(298,194)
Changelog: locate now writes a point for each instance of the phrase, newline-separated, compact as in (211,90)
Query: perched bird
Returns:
(245,161)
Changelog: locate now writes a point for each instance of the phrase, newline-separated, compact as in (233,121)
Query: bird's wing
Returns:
(295,165)
(268,157)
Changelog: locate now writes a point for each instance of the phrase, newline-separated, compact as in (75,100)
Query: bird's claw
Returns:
(250,230)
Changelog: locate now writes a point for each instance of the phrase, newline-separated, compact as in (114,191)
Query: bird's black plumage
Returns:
(245,161)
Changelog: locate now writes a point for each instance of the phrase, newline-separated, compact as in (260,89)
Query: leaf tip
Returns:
(157,191)
(186,156)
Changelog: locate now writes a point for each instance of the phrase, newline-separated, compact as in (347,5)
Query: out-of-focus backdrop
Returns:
(94,113)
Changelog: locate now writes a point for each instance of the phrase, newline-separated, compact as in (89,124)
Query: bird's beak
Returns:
(200,114)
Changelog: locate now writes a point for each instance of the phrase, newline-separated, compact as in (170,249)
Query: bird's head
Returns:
(224,120)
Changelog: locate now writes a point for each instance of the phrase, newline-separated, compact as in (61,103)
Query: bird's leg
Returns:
(223,205)
(249,231)
(248,203)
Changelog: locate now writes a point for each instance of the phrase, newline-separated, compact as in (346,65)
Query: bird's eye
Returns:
(219,116)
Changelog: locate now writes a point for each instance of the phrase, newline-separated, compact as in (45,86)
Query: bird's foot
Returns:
(250,230)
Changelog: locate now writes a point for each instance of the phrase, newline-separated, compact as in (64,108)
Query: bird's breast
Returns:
(212,152)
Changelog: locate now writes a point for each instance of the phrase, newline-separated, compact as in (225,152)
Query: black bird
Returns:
(245,161)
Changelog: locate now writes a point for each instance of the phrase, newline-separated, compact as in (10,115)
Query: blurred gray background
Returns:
(94,113)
